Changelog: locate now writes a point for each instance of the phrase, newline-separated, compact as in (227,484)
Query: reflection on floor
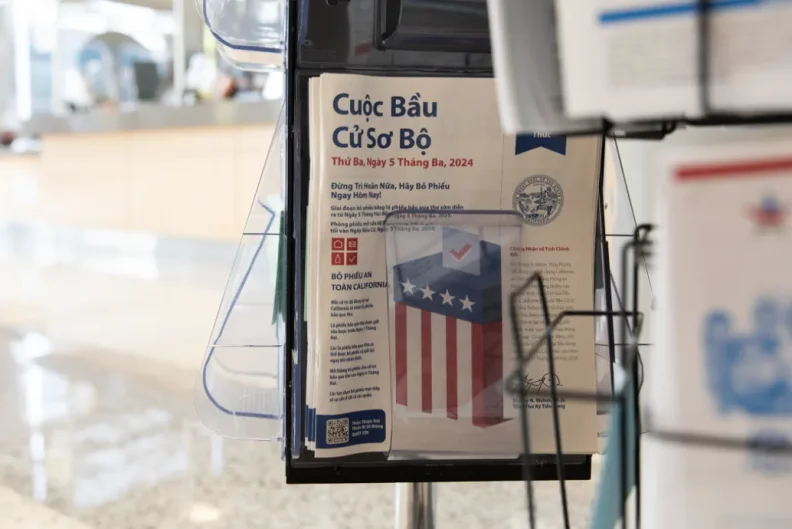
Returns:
(103,335)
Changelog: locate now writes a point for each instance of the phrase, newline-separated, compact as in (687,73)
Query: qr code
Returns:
(337,431)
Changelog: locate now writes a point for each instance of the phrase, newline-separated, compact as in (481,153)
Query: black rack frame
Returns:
(302,468)
(638,247)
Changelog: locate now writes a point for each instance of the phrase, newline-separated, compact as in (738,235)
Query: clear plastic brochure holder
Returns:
(239,391)
(250,34)
(450,277)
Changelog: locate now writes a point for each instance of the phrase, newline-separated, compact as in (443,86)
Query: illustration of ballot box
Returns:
(447,331)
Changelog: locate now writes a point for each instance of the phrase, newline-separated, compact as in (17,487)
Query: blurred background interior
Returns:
(130,156)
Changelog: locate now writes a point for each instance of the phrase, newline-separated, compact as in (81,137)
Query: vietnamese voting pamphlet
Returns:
(423,218)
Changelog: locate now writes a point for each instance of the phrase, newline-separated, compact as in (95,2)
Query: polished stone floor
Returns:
(101,337)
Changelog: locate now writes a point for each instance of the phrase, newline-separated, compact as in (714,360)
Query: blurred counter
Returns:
(182,172)
(154,117)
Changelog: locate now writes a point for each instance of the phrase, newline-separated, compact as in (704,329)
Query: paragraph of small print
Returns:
(337,431)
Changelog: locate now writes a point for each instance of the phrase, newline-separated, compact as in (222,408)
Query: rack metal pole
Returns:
(415,505)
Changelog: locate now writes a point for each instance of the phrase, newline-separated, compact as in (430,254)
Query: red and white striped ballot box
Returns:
(448,330)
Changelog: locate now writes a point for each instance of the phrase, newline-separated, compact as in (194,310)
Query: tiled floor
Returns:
(102,338)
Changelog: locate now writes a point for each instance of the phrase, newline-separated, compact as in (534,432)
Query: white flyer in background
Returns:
(633,59)
(392,143)
(724,362)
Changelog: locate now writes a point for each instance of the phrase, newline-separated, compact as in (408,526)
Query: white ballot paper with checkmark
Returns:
(424,219)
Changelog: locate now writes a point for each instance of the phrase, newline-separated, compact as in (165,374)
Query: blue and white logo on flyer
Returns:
(750,371)
(539,199)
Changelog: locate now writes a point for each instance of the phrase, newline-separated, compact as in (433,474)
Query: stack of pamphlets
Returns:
(423,219)
(639,59)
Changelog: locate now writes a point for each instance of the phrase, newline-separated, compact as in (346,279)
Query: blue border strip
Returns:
(634,14)
(225,322)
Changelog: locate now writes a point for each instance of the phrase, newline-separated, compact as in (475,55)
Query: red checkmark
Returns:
(460,254)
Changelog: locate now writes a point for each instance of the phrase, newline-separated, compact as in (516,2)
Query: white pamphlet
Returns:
(386,144)
(723,366)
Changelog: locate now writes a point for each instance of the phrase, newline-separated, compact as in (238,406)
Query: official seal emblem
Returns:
(539,199)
